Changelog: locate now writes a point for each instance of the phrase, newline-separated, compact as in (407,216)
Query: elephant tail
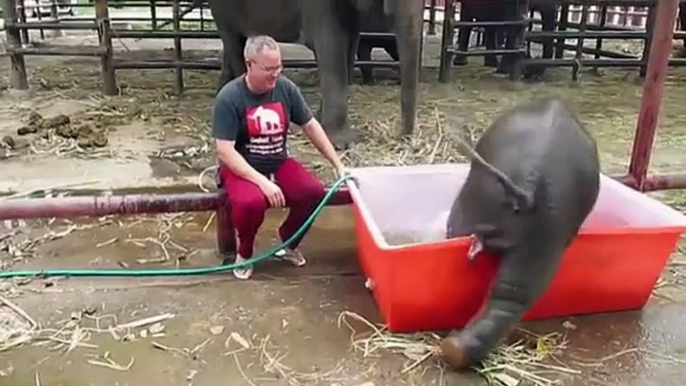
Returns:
(522,199)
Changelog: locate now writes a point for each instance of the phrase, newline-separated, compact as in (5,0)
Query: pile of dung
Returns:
(86,134)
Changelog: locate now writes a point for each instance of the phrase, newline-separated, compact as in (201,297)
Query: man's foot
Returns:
(242,273)
(293,255)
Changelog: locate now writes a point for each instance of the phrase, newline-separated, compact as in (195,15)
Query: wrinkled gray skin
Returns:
(330,28)
(495,37)
(533,181)
(375,21)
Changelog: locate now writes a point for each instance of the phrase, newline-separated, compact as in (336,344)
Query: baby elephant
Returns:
(534,178)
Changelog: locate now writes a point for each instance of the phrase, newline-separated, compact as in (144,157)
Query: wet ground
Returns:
(287,318)
(281,327)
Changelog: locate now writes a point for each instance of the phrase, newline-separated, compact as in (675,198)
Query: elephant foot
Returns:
(534,71)
(491,62)
(454,352)
(367,78)
(342,139)
(459,60)
(502,69)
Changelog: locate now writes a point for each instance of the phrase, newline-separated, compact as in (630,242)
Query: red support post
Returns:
(653,86)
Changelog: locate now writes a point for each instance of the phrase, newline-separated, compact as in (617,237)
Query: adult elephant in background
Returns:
(495,37)
(377,22)
(330,28)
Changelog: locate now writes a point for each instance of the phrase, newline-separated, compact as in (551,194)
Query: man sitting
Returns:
(250,122)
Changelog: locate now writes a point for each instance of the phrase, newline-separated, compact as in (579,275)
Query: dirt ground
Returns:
(282,327)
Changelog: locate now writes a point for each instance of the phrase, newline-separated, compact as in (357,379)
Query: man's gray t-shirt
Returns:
(259,123)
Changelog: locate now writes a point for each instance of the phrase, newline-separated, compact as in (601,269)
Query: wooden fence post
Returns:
(109,82)
(18,78)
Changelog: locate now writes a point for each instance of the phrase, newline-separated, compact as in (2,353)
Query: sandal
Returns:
(291,255)
(242,273)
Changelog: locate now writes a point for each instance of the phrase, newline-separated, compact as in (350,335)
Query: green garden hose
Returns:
(183,271)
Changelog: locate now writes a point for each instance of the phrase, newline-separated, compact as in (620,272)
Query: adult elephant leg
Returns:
(463,34)
(364,53)
(512,11)
(491,36)
(409,23)
(233,64)
(332,47)
(522,278)
(548,15)
(353,45)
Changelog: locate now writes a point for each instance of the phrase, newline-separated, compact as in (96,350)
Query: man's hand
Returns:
(228,154)
(273,193)
(340,170)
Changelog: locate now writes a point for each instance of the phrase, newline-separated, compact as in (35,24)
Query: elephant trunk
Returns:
(408,21)
(520,281)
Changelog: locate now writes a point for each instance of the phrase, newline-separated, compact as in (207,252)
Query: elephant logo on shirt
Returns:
(267,119)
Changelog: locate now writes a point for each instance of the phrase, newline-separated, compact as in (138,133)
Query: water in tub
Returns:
(420,233)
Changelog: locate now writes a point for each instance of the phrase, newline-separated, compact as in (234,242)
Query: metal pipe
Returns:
(655,183)
(486,51)
(653,86)
(123,204)
(59,51)
(54,26)
(595,62)
(589,34)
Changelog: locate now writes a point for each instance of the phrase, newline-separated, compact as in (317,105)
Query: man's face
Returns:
(264,69)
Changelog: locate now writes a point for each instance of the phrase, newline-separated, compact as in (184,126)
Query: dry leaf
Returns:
(240,340)
(505,380)
(217,330)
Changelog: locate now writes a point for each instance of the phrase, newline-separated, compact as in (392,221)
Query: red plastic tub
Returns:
(421,281)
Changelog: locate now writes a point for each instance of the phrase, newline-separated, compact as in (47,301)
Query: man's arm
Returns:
(302,116)
(315,132)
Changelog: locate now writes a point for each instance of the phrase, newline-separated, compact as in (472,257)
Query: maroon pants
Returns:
(301,189)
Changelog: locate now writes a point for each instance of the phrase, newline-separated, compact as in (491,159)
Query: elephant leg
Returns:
(463,34)
(490,34)
(682,19)
(332,62)
(522,278)
(354,42)
(364,53)
(548,15)
(233,63)
(512,39)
